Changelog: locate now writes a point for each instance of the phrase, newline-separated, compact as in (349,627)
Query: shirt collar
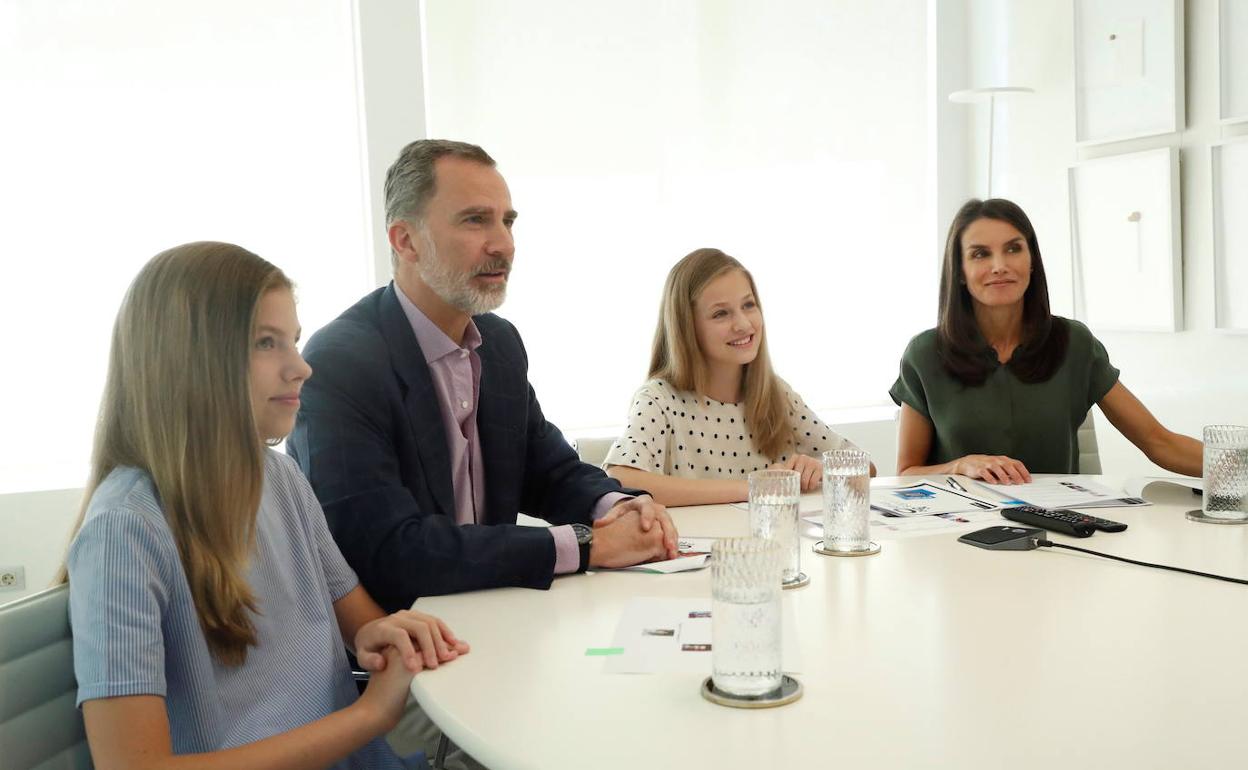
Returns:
(434,342)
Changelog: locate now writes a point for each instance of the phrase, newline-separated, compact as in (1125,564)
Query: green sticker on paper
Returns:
(600,651)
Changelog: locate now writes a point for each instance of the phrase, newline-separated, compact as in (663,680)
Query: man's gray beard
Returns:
(453,286)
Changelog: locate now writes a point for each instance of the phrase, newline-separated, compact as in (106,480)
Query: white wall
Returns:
(34,533)
(951,141)
(792,136)
(1190,378)
(129,127)
(135,125)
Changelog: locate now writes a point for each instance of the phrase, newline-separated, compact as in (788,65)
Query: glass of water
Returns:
(846,502)
(745,616)
(1226,472)
(775,501)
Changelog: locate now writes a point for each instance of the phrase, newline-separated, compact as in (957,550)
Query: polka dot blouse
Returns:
(679,433)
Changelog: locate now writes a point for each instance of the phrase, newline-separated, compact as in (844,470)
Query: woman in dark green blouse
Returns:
(999,388)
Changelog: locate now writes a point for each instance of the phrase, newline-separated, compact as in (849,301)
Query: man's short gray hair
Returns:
(410,182)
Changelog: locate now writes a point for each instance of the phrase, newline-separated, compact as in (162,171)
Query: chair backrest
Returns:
(593,450)
(1089,454)
(40,727)
(877,438)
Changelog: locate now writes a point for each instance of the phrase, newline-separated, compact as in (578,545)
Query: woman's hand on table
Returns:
(810,469)
(995,469)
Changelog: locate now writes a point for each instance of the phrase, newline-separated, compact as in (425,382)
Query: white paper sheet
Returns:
(665,635)
(679,564)
(889,527)
(812,502)
(923,497)
(1136,486)
(692,545)
(926,498)
(695,554)
(1065,492)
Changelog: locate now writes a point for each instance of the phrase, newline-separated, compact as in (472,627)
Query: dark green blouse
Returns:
(1035,423)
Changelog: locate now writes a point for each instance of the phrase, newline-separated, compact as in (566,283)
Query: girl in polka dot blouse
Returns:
(712,409)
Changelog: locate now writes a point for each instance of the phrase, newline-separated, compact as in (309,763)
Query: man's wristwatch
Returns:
(584,541)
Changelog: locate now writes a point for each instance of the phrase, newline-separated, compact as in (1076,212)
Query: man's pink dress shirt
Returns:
(456,373)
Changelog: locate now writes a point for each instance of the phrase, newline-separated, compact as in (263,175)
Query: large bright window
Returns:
(134,125)
(792,135)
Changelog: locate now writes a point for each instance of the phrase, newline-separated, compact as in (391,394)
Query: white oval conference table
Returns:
(930,654)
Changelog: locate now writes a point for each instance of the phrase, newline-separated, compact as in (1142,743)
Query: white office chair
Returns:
(594,450)
(40,728)
(1089,455)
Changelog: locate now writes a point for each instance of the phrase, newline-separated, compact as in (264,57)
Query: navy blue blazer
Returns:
(370,438)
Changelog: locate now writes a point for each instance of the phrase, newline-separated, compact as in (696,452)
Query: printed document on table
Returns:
(921,498)
(666,635)
(811,502)
(885,526)
(1065,492)
(694,545)
(683,563)
(927,498)
(889,526)
(695,553)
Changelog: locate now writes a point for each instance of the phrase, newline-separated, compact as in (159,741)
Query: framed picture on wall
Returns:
(1125,241)
(1232,61)
(1230,233)
(1128,69)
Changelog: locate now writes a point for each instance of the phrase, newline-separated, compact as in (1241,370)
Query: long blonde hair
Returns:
(677,358)
(177,405)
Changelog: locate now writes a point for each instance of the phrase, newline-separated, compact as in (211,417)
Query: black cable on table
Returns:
(1051,544)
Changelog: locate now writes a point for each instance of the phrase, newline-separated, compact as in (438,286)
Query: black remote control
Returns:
(1070,523)
(1104,525)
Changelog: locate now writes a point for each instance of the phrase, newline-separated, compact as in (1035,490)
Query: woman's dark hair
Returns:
(963,350)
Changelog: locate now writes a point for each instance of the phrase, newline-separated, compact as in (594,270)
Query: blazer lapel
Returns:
(420,402)
(500,425)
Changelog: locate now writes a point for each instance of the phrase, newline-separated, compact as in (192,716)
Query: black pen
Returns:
(954,483)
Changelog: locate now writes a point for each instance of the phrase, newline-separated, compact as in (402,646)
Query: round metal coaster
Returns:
(1199,515)
(789,690)
(870,550)
(802,579)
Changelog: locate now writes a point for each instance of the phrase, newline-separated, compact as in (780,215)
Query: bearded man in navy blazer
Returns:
(420,432)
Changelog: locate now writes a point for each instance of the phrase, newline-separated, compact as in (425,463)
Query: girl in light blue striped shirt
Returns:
(210,605)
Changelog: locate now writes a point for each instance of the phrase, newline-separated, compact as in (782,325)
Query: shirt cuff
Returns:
(567,552)
(606,503)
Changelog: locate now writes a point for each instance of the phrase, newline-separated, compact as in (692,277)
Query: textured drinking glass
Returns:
(846,500)
(1226,472)
(745,615)
(775,499)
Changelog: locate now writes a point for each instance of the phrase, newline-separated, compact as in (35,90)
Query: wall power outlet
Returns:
(12,578)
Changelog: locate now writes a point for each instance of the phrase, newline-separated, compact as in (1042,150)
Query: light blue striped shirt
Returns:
(136,631)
